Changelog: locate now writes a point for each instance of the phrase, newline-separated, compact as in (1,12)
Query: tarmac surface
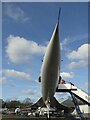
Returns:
(14,117)
(42,118)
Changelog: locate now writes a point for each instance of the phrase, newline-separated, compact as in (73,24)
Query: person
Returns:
(63,81)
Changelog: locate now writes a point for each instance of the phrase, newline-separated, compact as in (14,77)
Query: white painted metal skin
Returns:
(50,67)
(76,91)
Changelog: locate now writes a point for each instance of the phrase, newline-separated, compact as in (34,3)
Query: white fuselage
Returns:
(50,67)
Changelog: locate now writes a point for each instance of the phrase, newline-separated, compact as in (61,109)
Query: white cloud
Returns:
(16,74)
(66,43)
(66,75)
(81,53)
(77,64)
(21,50)
(16,13)
(29,91)
(79,57)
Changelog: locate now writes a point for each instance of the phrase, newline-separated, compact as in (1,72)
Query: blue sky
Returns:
(26,31)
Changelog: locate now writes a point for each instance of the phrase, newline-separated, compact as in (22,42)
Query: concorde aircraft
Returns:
(51,67)
(50,72)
